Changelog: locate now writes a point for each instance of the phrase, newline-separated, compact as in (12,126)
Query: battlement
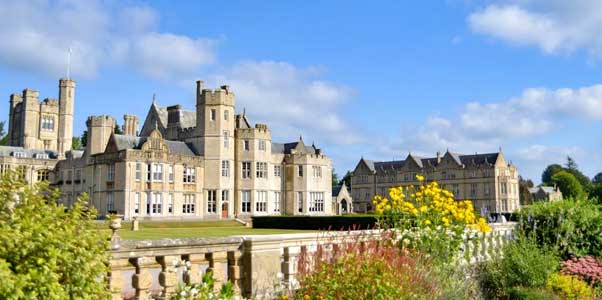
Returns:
(29,93)
(16,98)
(221,96)
(100,121)
(50,102)
(65,82)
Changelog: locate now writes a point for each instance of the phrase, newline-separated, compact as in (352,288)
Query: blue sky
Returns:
(375,80)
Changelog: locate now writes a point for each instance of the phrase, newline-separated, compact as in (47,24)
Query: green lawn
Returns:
(188,229)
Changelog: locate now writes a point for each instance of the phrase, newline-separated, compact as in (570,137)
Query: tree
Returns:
(76,143)
(595,193)
(571,164)
(597,179)
(335,178)
(551,170)
(117,129)
(84,138)
(47,251)
(523,187)
(347,179)
(3,135)
(568,184)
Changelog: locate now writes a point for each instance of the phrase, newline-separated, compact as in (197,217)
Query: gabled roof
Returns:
(123,142)
(298,147)
(187,117)
(29,153)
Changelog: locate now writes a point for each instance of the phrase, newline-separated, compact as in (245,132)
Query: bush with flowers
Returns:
(429,219)
(204,290)
(586,268)
(570,287)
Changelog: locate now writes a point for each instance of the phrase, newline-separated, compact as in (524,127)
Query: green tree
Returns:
(84,138)
(3,135)
(335,178)
(46,251)
(347,179)
(76,143)
(568,184)
(523,187)
(597,179)
(595,193)
(117,129)
(571,164)
(546,176)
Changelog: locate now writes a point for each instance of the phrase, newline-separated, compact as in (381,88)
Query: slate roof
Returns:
(134,142)
(6,151)
(287,147)
(336,190)
(471,159)
(187,117)
(545,189)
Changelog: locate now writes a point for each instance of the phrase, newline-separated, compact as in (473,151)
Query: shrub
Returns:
(570,287)
(586,268)
(316,222)
(522,293)
(47,252)
(372,270)
(429,218)
(572,227)
(568,184)
(523,263)
(203,290)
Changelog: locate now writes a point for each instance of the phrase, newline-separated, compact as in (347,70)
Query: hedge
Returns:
(315,222)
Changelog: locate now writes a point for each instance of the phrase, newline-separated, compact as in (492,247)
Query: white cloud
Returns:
(291,100)
(555,26)
(548,154)
(36,36)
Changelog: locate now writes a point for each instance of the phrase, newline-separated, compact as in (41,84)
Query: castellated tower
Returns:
(100,129)
(15,129)
(215,139)
(31,119)
(66,103)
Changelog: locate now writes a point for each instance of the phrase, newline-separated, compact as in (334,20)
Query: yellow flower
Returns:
(420,178)
(306,297)
(427,222)
(284,297)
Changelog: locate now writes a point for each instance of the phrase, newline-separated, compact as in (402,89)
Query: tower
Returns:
(100,129)
(215,139)
(30,123)
(14,121)
(66,103)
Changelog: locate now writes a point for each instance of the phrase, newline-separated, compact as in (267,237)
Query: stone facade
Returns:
(546,193)
(342,200)
(486,179)
(210,163)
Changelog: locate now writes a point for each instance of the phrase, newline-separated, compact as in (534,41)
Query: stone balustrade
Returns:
(254,264)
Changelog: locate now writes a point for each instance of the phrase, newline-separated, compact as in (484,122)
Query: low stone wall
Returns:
(144,269)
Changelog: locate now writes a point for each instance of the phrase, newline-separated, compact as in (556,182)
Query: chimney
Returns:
(130,125)
(174,114)
(438,157)
(199,87)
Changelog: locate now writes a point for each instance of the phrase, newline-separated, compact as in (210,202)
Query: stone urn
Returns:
(115,225)
(135,224)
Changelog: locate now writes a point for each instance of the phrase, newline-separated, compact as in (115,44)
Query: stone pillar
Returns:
(168,278)
(289,266)
(234,262)
(218,262)
(142,279)
(115,281)
(194,272)
(135,224)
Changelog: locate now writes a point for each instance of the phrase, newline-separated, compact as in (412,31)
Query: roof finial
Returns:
(69,62)
(244,111)
(300,137)
(500,149)
(154,99)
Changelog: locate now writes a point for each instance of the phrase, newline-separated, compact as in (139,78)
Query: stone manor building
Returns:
(487,180)
(210,163)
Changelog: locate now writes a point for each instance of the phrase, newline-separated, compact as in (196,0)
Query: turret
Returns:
(14,127)
(130,125)
(31,120)
(66,104)
(100,129)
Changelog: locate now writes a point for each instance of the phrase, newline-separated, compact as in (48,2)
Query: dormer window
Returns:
(41,156)
(19,154)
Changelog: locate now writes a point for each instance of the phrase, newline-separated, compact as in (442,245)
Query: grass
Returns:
(189,229)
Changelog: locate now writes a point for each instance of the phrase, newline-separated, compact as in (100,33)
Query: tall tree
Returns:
(335,178)
(84,138)
(3,135)
(523,187)
(117,129)
(347,179)
(571,164)
(76,143)
(551,170)
(568,184)
(597,179)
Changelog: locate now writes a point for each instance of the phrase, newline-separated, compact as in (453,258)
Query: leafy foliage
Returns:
(47,252)
(523,293)
(204,290)
(597,179)
(568,184)
(523,186)
(551,170)
(586,268)
(76,143)
(523,263)
(571,227)
(429,219)
(570,287)
(376,270)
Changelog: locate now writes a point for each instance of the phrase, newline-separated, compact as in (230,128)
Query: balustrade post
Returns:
(290,265)
(234,261)
(142,279)
(115,280)
(218,264)
(168,278)
(194,272)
